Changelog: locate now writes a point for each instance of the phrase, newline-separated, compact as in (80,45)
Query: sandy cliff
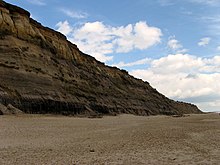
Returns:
(42,72)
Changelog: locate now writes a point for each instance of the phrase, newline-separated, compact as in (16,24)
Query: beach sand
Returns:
(123,139)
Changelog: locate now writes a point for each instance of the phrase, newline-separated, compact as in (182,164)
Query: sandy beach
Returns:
(123,139)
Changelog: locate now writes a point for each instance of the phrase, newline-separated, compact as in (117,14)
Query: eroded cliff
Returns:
(42,72)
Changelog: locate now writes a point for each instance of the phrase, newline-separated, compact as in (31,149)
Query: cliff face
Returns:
(42,72)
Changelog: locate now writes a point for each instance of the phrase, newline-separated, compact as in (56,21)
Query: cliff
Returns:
(42,72)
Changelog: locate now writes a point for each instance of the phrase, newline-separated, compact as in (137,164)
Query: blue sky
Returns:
(172,44)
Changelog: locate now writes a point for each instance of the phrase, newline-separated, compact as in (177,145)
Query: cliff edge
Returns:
(42,72)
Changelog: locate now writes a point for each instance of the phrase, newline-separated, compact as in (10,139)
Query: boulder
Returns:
(3,109)
(9,110)
(13,110)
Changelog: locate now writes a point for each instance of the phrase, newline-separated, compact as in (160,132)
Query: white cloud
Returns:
(145,36)
(100,40)
(204,41)
(218,48)
(74,14)
(64,27)
(182,51)
(37,2)
(185,77)
(175,46)
(214,104)
(139,62)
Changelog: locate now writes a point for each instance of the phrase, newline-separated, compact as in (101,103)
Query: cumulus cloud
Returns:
(64,27)
(175,46)
(204,41)
(100,40)
(74,14)
(185,77)
(37,2)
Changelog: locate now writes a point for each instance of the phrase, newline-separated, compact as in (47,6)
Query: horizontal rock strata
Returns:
(42,72)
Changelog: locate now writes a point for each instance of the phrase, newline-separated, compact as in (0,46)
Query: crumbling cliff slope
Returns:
(42,72)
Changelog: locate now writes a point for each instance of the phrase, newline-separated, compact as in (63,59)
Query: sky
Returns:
(172,44)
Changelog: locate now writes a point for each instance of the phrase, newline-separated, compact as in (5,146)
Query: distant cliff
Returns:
(42,72)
